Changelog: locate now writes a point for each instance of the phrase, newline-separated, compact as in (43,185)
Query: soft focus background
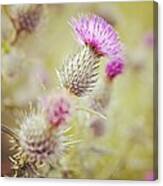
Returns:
(125,150)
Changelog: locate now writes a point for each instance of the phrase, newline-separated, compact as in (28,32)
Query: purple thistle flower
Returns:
(97,33)
(58,108)
(114,68)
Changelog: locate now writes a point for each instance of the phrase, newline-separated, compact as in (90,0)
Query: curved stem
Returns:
(92,112)
(13,22)
(8,131)
(6,10)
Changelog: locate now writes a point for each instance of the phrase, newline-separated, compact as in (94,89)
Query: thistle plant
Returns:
(77,127)
(24,19)
(98,39)
(42,136)
(37,142)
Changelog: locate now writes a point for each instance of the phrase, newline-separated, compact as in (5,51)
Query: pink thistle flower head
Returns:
(97,33)
(114,68)
(58,108)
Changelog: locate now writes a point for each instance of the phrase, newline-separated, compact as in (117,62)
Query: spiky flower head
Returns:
(59,108)
(114,68)
(39,140)
(79,72)
(97,33)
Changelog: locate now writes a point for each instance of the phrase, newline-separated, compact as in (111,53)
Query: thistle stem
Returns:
(6,10)
(92,112)
(13,22)
(8,131)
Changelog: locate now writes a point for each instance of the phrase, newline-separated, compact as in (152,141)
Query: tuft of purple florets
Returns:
(114,68)
(58,108)
(97,33)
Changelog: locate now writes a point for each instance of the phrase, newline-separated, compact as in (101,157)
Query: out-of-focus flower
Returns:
(97,33)
(58,108)
(20,74)
(149,39)
(25,18)
(98,126)
(100,100)
(28,19)
(40,72)
(79,72)
(137,57)
(149,176)
(114,68)
(13,64)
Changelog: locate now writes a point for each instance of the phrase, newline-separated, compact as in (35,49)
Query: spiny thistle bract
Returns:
(79,72)
(39,143)
(20,163)
(97,33)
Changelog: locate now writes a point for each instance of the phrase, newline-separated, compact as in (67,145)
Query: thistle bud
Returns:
(79,72)
(39,140)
